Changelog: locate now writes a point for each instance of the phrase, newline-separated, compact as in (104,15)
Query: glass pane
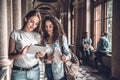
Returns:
(109,23)
(109,30)
(97,24)
(109,9)
(98,30)
(98,12)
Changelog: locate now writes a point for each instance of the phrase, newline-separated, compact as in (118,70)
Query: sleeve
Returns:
(13,35)
(66,49)
(90,41)
(105,45)
(83,44)
(99,44)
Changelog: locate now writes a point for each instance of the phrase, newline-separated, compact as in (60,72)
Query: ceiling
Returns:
(48,1)
(51,7)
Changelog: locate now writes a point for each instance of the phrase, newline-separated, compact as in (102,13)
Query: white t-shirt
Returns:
(23,39)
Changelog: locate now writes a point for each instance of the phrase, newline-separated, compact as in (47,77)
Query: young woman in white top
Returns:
(25,65)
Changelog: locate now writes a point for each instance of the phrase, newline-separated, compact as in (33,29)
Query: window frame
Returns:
(104,18)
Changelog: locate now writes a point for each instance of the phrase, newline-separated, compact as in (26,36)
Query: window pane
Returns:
(109,9)
(109,30)
(98,30)
(98,12)
(97,24)
(109,22)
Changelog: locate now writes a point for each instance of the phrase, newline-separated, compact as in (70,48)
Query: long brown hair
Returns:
(58,31)
(30,14)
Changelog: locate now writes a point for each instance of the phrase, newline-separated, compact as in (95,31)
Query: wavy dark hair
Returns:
(58,31)
(84,35)
(30,14)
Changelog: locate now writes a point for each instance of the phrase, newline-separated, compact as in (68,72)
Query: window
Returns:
(103,20)
(97,24)
(108,20)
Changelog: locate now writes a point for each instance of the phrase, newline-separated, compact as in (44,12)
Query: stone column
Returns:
(79,23)
(4,62)
(64,16)
(9,17)
(27,5)
(3,34)
(116,40)
(69,23)
(17,14)
(24,11)
(64,19)
(88,16)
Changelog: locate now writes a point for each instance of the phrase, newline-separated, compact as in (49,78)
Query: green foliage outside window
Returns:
(109,23)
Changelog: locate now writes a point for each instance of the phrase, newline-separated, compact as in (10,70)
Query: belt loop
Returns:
(32,68)
(20,69)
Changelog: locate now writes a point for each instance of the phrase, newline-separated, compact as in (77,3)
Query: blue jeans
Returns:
(33,74)
(49,73)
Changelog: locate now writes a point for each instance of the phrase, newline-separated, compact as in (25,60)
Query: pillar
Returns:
(17,14)
(79,23)
(116,41)
(4,62)
(88,16)
(9,17)
(3,34)
(64,19)
(27,5)
(69,22)
(64,15)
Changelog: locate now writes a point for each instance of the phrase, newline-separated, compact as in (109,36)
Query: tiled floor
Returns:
(85,73)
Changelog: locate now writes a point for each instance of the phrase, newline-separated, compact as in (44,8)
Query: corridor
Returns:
(76,17)
(85,73)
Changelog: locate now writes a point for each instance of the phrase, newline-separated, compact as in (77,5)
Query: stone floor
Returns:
(85,73)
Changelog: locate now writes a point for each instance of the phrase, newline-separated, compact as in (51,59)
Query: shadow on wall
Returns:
(113,78)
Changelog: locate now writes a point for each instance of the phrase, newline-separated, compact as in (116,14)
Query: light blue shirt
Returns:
(58,69)
(103,44)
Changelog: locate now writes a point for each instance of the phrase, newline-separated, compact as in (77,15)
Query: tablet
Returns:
(33,49)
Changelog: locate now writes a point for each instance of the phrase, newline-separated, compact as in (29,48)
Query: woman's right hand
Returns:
(25,49)
(50,58)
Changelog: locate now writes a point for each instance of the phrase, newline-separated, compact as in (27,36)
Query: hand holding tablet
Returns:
(33,49)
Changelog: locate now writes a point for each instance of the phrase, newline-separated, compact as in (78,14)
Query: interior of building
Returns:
(76,16)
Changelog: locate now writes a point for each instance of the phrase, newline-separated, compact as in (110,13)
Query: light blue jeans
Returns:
(33,74)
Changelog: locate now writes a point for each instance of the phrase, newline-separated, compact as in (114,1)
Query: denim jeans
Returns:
(49,73)
(33,74)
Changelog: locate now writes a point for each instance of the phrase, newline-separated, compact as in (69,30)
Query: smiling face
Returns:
(49,27)
(32,23)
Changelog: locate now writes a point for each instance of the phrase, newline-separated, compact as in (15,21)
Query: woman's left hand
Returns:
(64,58)
(40,54)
